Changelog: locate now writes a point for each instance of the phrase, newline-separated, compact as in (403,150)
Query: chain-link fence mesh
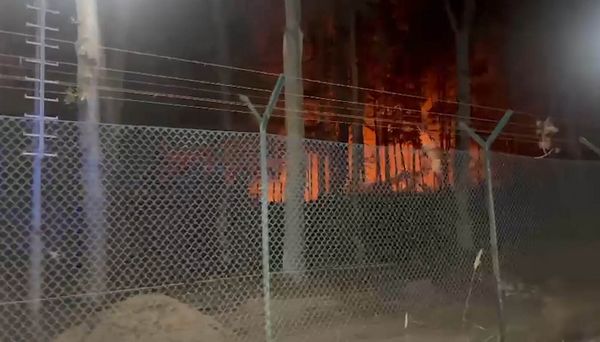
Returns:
(178,217)
(377,260)
(549,231)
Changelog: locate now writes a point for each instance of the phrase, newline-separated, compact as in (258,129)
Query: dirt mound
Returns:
(148,318)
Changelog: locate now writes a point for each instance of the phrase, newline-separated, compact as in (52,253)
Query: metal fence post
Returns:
(263,121)
(39,152)
(589,145)
(486,145)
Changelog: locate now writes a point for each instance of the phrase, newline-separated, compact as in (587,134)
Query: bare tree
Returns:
(462,33)
(294,199)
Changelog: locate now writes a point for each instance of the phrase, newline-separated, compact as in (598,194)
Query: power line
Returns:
(114,79)
(325,114)
(388,123)
(136,92)
(353,117)
(144,74)
(210,100)
(268,91)
(412,110)
(235,103)
(147,54)
(234,68)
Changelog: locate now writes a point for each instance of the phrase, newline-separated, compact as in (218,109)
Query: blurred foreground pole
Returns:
(486,146)
(263,122)
(89,62)
(294,97)
(38,153)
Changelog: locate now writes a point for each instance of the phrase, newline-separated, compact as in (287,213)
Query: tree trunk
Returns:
(294,204)
(321,171)
(414,167)
(462,33)
(404,173)
(357,128)
(218,13)
(462,174)
(395,160)
(89,57)
(356,148)
(386,155)
(339,74)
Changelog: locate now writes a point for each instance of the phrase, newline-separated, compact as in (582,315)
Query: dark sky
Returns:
(539,55)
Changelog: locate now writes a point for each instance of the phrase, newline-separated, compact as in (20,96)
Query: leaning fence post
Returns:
(263,121)
(589,145)
(486,145)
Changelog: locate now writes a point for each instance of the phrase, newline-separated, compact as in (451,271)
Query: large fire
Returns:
(414,154)
(399,165)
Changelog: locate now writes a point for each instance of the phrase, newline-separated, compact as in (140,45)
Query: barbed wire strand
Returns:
(266,73)
(139,73)
(377,122)
(114,79)
(239,103)
(353,109)
(219,101)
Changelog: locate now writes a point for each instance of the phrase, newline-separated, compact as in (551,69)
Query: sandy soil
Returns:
(570,317)
(331,319)
(148,318)
(382,330)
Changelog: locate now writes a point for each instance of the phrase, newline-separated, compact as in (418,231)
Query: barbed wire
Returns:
(266,73)
(352,109)
(229,110)
(121,80)
(139,73)
(330,114)
(322,114)
(153,94)
(377,122)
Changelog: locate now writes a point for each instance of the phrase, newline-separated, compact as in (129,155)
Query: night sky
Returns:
(538,56)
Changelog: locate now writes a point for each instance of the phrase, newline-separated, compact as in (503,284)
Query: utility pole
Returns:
(39,153)
(90,60)
(294,98)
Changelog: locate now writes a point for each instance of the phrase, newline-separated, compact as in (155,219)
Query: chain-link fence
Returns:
(548,224)
(378,260)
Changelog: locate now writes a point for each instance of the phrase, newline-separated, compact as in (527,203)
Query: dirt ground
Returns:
(357,317)
(558,314)
(562,316)
(383,331)
(158,318)
(148,318)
